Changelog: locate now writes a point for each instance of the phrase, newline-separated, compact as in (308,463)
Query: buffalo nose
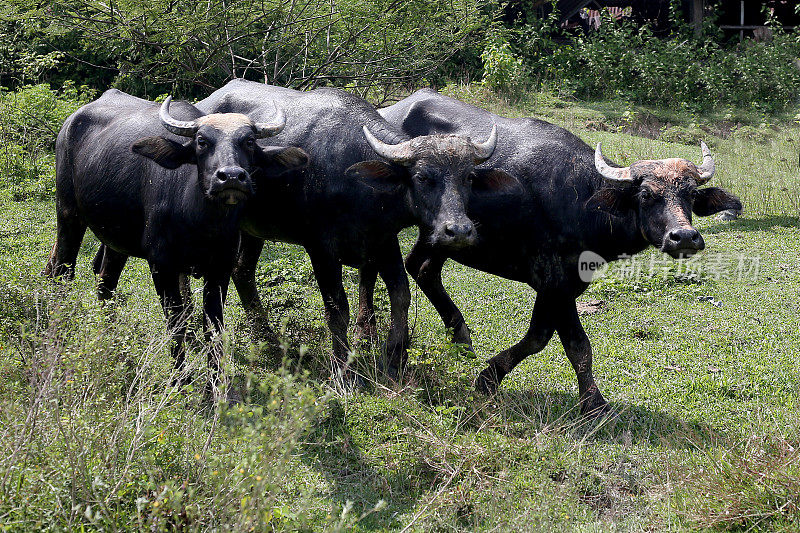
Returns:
(685,238)
(459,230)
(231,173)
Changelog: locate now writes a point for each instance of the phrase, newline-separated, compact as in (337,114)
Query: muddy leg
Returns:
(108,266)
(394,275)
(168,289)
(366,325)
(328,272)
(425,268)
(540,331)
(244,278)
(69,234)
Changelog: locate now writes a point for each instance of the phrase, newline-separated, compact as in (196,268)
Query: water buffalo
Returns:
(366,181)
(172,198)
(570,201)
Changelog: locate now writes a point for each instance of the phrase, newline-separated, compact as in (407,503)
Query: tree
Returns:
(191,46)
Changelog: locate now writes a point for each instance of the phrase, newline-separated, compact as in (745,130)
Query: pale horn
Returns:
(178,127)
(609,172)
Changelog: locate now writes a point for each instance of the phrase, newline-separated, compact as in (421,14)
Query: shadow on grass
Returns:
(753,224)
(630,424)
(352,476)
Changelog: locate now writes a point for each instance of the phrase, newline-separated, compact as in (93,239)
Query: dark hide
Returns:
(144,192)
(347,207)
(536,235)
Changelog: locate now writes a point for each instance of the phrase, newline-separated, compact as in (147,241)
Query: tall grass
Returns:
(93,435)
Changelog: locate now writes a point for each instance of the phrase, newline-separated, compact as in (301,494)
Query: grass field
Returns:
(703,373)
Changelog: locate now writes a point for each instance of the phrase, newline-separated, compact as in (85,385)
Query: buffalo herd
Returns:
(197,189)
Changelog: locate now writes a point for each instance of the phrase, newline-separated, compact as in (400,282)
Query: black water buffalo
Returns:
(174,199)
(358,192)
(571,200)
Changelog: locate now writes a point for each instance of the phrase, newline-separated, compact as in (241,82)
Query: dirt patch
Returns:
(645,125)
(590,307)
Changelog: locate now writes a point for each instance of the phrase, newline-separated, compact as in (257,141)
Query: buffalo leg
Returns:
(328,272)
(168,288)
(244,278)
(540,331)
(69,234)
(394,275)
(186,293)
(579,352)
(425,268)
(215,289)
(108,266)
(366,325)
(551,312)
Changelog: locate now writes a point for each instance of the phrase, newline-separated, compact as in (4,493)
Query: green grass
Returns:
(707,390)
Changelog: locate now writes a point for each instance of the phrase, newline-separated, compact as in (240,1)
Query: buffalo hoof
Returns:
(395,364)
(263,332)
(488,382)
(461,335)
(393,373)
(594,406)
(367,332)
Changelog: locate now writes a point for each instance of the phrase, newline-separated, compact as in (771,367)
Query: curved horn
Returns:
(396,153)
(484,151)
(608,172)
(268,129)
(706,169)
(178,127)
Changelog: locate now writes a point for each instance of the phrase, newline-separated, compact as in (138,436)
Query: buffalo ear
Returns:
(614,201)
(377,174)
(276,160)
(419,120)
(166,152)
(493,180)
(712,200)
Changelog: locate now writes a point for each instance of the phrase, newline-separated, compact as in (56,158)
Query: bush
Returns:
(622,60)
(502,70)
(29,122)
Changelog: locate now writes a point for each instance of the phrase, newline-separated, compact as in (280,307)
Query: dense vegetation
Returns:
(701,367)
(383,47)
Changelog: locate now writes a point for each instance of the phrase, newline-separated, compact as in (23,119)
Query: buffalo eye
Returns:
(421,178)
(250,143)
(469,179)
(646,194)
(693,194)
(202,144)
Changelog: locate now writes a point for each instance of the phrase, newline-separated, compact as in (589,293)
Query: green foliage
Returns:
(29,122)
(116,447)
(621,60)
(189,46)
(502,70)
(692,134)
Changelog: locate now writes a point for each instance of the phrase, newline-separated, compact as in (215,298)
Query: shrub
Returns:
(502,70)
(622,60)
(94,438)
(29,122)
